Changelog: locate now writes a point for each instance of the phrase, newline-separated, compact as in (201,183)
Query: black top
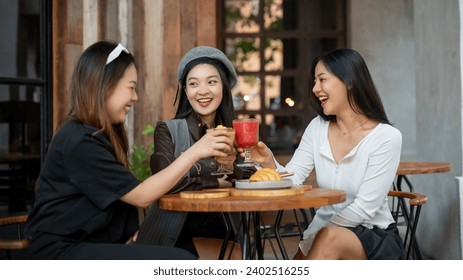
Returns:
(79,187)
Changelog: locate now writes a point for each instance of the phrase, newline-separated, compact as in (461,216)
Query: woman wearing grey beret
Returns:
(206,77)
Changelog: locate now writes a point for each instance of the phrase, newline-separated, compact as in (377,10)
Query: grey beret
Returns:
(209,52)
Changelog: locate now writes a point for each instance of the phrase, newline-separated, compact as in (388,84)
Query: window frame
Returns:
(299,74)
(44,82)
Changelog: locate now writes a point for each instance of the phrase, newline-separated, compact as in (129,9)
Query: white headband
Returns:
(115,53)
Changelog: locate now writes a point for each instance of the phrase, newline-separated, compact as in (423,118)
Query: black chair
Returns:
(287,230)
(266,232)
(407,215)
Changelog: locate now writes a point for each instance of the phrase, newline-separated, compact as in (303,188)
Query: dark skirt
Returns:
(381,244)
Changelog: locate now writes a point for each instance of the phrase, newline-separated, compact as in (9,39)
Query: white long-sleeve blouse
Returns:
(366,174)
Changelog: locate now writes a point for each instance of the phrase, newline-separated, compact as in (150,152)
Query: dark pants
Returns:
(209,225)
(47,247)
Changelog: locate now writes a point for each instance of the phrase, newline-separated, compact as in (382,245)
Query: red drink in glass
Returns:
(246,133)
(246,136)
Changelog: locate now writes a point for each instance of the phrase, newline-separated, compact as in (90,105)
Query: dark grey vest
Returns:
(161,227)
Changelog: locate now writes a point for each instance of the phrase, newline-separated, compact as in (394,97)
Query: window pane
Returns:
(19,145)
(273,92)
(19,93)
(244,53)
(20,39)
(323,15)
(19,120)
(281,93)
(281,54)
(320,45)
(241,16)
(280,15)
(246,94)
(284,132)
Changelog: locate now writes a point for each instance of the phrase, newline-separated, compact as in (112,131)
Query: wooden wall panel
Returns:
(207,22)
(72,53)
(111,16)
(187,23)
(160,34)
(91,22)
(184,38)
(67,45)
(140,118)
(189,17)
(72,22)
(150,62)
(172,52)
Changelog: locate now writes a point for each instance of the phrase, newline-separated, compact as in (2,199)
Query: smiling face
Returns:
(123,96)
(330,90)
(204,90)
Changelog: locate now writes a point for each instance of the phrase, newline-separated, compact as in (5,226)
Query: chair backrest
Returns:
(407,216)
(13,243)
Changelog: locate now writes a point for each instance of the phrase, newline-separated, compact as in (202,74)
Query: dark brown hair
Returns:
(92,82)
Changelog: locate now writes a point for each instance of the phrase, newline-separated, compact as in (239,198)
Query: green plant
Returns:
(140,156)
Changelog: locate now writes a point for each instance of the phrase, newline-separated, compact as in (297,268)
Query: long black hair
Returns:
(349,66)
(225,112)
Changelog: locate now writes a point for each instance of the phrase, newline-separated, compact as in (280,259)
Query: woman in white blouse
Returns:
(353,147)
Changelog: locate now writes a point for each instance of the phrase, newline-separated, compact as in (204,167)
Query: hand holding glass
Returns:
(222,170)
(247,135)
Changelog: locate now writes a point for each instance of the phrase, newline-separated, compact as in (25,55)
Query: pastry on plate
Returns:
(265,174)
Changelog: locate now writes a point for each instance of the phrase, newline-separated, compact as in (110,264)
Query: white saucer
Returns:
(245,184)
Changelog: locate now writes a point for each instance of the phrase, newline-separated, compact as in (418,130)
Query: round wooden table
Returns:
(309,199)
(419,167)
(250,206)
(422,167)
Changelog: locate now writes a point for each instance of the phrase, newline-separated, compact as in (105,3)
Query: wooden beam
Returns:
(91,22)
(172,53)
(207,22)
(67,45)
(188,17)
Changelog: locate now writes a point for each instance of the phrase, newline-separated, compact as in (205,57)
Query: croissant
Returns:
(265,174)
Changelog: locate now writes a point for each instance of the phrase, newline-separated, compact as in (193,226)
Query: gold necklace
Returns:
(355,128)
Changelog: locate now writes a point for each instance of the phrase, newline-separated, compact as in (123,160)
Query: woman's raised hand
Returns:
(228,160)
(261,154)
(213,144)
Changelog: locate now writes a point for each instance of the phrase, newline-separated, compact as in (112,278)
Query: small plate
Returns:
(245,184)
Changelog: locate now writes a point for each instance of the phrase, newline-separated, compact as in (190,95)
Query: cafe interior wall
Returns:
(413,50)
(158,33)
(410,46)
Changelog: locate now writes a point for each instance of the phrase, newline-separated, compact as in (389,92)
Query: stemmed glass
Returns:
(222,170)
(247,135)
